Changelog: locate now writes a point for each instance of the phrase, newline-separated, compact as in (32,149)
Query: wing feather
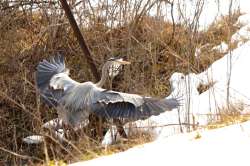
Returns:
(52,80)
(112,104)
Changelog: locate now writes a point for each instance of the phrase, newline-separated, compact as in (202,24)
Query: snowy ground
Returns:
(225,146)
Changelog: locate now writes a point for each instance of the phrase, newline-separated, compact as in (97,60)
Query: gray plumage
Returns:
(47,69)
(75,101)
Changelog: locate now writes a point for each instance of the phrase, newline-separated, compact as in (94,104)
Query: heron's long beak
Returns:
(123,62)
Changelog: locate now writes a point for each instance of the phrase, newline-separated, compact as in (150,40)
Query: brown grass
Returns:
(229,116)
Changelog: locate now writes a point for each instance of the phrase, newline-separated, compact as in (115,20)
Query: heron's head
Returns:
(114,65)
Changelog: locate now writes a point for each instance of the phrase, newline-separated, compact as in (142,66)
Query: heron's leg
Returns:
(119,125)
(69,131)
(97,127)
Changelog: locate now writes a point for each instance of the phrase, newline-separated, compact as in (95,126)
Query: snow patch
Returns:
(222,48)
(33,139)
(242,35)
(225,146)
(244,19)
(53,124)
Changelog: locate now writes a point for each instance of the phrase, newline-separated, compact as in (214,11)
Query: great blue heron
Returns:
(75,101)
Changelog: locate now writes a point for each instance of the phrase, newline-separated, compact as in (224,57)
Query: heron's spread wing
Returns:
(47,69)
(85,98)
(113,104)
(52,80)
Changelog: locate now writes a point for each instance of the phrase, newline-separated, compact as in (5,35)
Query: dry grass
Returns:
(229,119)
(220,31)
(27,37)
(122,145)
(229,116)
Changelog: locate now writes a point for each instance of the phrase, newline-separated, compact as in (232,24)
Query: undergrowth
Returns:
(229,116)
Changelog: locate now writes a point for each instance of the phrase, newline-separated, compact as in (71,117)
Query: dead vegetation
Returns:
(155,47)
(229,116)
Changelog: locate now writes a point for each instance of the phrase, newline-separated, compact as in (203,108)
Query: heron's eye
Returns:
(182,77)
(111,59)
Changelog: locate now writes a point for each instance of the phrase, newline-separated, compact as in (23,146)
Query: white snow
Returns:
(33,139)
(197,52)
(222,48)
(244,19)
(38,139)
(53,124)
(233,66)
(228,146)
(242,35)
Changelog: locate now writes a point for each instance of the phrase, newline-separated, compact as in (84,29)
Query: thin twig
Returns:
(19,155)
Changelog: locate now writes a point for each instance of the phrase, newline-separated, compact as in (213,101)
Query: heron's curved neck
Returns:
(104,76)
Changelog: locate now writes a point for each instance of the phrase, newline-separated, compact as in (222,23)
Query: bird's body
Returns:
(75,101)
